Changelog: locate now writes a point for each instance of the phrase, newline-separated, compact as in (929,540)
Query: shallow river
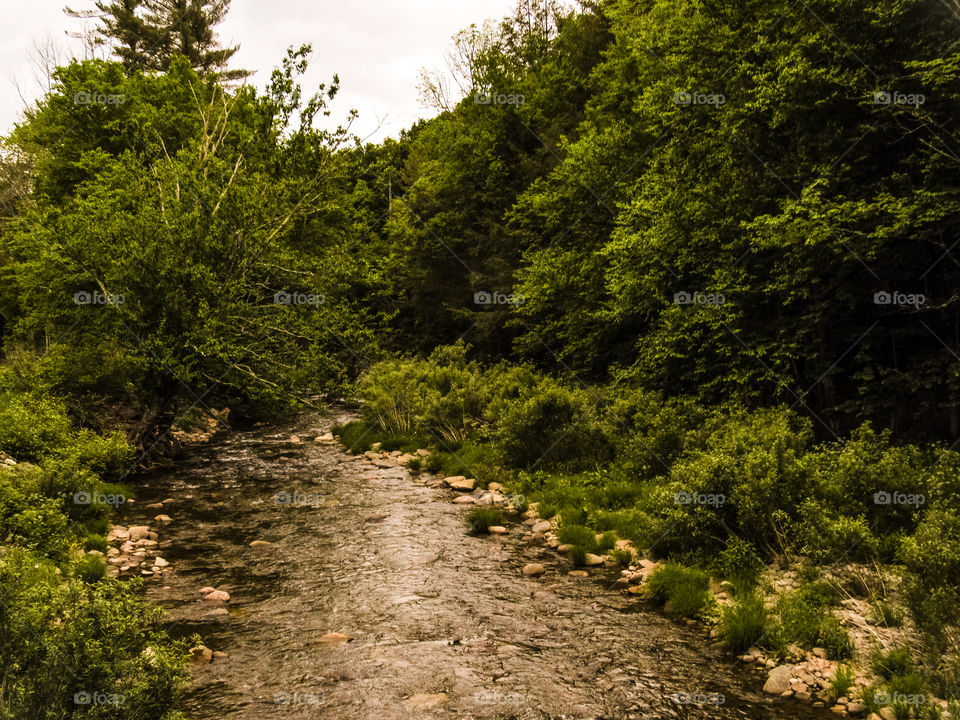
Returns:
(442,624)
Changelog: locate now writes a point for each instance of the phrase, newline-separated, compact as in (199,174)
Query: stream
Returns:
(441,623)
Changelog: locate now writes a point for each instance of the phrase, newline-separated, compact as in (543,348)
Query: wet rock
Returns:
(459,482)
(201,654)
(138,532)
(260,543)
(167,501)
(295,440)
(564,548)
(154,506)
(425,701)
(163,519)
(578,573)
(118,533)
(205,590)
(778,680)
(533,569)
(592,560)
(542,526)
(497,530)
(147,573)
(217,597)
(160,562)
(334,639)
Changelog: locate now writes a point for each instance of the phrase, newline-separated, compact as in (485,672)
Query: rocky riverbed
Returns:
(327,585)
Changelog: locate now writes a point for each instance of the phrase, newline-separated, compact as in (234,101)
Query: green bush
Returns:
(90,568)
(687,590)
(479,519)
(893,663)
(744,623)
(932,560)
(740,563)
(842,682)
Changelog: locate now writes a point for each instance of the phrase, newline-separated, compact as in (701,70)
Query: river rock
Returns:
(592,560)
(205,590)
(494,487)
(855,708)
(260,543)
(464,500)
(154,506)
(578,573)
(542,526)
(160,562)
(533,569)
(295,439)
(118,533)
(334,638)
(219,655)
(201,654)
(138,532)
(778,681)
(459,482)
(163,519)
(216,597)
(564,548)
(497,530)
(425,701)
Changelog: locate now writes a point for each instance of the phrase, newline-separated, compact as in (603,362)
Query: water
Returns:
(442,624)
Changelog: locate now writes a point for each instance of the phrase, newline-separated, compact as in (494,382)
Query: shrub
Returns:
(621,557)
(893,663)
(685,589)
(740,563)
(744,623)
(479,519)
(932,560)
(90,568)
(841,683)
(578,536)
(835,639)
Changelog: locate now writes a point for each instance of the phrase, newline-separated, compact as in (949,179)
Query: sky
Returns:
(377,47)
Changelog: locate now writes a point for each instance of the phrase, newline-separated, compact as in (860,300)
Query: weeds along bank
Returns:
(73,642)
(733,500)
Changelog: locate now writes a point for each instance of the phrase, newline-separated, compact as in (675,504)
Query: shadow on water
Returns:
(442,624)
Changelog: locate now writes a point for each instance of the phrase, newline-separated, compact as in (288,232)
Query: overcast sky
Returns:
(376,46)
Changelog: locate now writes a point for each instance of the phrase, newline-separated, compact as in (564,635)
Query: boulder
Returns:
(459,482)
(778,681)
(542,526)
(201,654)
(592,560)
(138,532)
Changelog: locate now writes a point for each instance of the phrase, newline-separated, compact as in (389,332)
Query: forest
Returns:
(678,272)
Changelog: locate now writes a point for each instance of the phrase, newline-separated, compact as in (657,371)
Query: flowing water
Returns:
(442,624)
